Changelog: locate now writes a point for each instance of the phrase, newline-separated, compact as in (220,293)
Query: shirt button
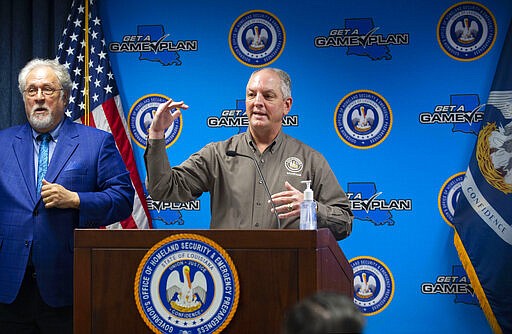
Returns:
(258,204)
(257,224)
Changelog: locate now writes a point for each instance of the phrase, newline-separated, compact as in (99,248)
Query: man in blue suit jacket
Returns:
(86,186)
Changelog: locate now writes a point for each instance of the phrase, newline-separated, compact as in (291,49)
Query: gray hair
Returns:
(286,81)
(60,71)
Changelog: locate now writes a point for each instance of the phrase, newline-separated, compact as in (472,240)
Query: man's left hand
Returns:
(288,202)
(56,196)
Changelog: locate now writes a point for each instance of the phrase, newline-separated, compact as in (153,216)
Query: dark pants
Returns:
(29,314)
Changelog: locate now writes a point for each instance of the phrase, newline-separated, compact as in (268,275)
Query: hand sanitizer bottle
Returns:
(308,209)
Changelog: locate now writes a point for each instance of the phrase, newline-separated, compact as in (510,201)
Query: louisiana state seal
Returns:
(186,283)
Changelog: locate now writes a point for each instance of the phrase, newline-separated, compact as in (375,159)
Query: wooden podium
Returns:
(275,268)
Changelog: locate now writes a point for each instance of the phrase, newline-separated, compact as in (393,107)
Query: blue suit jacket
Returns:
(85,160)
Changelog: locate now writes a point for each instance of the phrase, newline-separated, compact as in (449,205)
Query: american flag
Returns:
(105,107)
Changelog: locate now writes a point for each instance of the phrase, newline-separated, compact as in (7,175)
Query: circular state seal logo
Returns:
(449,195)
(374,285)
(140,118)
(466,31)
(293,165)
(363,119)
(257,38)
(186,283)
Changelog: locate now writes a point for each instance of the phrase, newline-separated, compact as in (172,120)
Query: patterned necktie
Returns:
(43,159)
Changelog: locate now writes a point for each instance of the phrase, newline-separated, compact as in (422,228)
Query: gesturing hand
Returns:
(165,114)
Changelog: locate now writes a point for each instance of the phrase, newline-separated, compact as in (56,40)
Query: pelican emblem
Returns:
(256,39)
(466,32)
(363,119)
(365,287)
(500,140)
(186,295)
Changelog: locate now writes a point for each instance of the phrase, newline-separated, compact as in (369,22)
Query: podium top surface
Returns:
(100,238)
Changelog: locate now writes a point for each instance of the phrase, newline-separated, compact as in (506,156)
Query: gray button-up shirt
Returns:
(238,198)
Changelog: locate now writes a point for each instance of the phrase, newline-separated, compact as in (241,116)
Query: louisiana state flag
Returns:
(483,217)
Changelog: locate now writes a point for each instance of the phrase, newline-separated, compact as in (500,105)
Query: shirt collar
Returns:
(272,147)
(55,132)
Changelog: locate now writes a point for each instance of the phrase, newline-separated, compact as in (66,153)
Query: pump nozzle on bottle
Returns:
(308,193)
(308,209)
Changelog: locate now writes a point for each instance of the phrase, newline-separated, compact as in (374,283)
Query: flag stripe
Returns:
(107,116)
(115,122)
(89,57)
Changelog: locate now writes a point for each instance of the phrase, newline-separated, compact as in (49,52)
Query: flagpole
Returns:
(109,115)
(86,67)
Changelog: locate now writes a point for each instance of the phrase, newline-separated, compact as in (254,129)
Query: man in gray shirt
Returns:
(239,199)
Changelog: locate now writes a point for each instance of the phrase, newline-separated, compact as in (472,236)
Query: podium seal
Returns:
(186,283)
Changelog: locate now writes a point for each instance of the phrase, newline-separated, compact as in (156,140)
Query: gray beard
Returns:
(39,123)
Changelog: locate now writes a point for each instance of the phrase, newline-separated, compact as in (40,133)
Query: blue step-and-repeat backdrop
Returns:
(389,91)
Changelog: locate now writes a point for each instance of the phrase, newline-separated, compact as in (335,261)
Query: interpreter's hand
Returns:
(56,196)
(288,202)
(165,114)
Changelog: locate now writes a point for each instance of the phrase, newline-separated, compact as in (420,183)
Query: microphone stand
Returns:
(235,154)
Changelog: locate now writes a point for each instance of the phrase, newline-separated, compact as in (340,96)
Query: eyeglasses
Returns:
(47,91)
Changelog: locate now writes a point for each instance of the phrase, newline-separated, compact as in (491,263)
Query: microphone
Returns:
(235,154)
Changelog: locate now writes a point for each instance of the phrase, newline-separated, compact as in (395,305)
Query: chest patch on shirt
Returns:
(294,166)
